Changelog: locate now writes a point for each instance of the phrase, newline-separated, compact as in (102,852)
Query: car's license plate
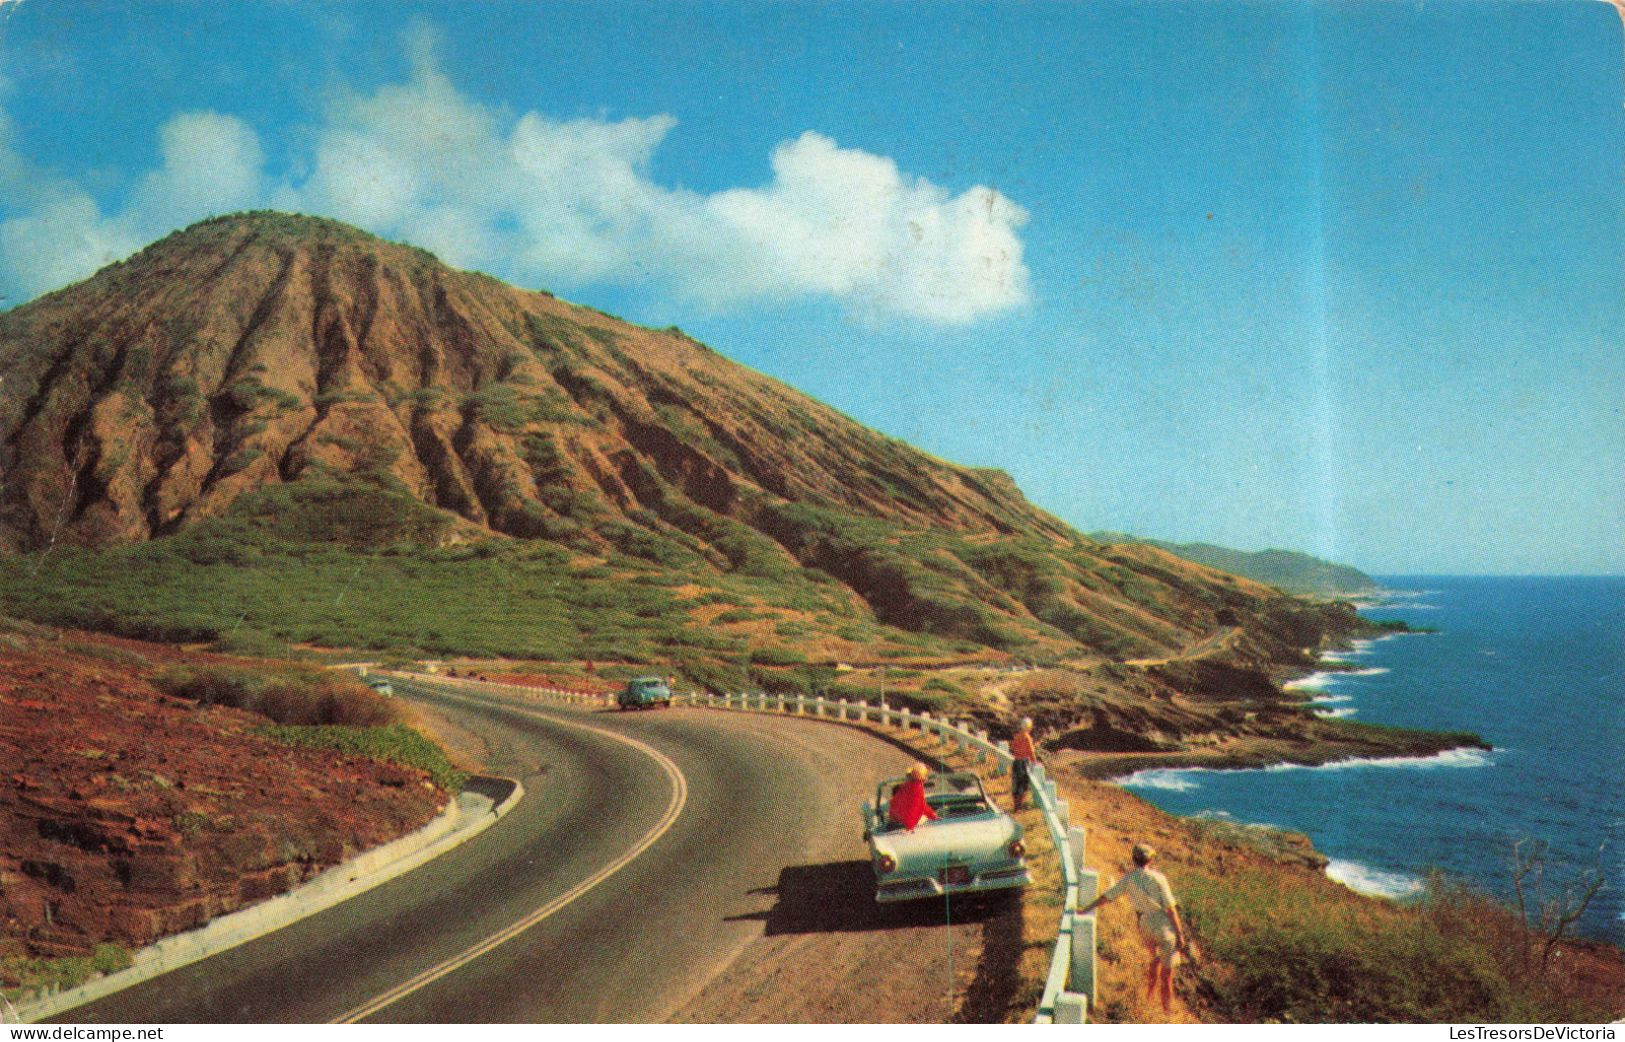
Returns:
(955,875)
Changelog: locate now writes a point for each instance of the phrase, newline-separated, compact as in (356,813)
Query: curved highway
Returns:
(652,850)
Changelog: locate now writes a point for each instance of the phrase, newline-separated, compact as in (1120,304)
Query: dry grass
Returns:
(1282,942)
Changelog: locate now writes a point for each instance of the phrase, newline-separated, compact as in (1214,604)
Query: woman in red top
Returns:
(1025,756)
(908,804)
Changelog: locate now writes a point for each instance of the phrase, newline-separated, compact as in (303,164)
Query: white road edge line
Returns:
(674,809)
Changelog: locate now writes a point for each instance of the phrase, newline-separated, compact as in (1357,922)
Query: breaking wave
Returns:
(1363,879)
(1184,779)
(1463,756)
(1173,779)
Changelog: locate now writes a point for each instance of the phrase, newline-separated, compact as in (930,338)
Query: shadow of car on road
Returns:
(839,896)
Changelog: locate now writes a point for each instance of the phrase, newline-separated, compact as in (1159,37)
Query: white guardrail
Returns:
(1070,988)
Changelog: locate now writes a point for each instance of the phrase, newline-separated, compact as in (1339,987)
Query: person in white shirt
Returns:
(1164,935)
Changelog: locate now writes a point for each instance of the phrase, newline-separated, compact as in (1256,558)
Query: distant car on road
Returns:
(973,847)
(644,693)
(382,686)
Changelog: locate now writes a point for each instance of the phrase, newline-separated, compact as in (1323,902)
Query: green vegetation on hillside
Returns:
(1296,951)
(359,564)
(36,974)
(264,570)
(313,708)
(288,695)
(1287,570)
(396,743)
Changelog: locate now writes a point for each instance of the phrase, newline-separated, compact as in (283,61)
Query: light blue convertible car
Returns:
(973,847)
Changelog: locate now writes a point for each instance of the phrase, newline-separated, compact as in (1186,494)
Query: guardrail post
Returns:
(1075,837)
(1071,1008)
(1062,809)
(1001,766)
(780,707)
(801,705)
(1049,789)
(840,714)
(1083,956)
(1088,885)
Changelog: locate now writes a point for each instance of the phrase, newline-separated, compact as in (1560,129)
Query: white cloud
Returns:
(545,201)
(59,242)
(211,164)
(56,233)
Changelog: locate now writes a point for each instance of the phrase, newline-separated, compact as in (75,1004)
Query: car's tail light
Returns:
(888,863)
(1017,848)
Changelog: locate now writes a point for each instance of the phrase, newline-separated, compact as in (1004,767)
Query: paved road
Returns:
(727,806)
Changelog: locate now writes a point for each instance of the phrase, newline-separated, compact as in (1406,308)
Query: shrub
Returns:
(69,972)
(105,653)
(288,696)
(397,744)
(777,656)
(251,642)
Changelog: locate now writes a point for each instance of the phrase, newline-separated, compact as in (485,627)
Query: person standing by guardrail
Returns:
(1164,935)
(1025,757)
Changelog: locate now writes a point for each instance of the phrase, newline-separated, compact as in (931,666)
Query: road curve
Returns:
(594,900)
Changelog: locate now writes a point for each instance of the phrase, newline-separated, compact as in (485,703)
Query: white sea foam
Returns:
(1405,595)
(1464,756)
(1364,879)
(1333,713)
(1183,779)
(1172,779)
(1312,682)
(1321,700)
(1320,681)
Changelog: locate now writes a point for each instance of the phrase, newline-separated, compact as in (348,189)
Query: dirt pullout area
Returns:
(827,952)
(127,814)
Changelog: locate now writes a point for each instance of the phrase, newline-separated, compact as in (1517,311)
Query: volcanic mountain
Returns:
(262,402)
(260,349)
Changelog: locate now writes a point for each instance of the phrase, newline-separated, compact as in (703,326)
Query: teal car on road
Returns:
(644,693)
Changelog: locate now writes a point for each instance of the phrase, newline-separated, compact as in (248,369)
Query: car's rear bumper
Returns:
(917,888)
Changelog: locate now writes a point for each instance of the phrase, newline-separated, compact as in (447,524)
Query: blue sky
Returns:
(1342,278)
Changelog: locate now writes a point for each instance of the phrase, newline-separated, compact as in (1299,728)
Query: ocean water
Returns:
(1534,665)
